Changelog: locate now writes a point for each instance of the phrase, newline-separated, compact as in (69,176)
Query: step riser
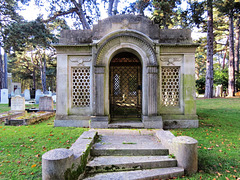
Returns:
(129,152)
(166,176)
(131,166)
(162,173)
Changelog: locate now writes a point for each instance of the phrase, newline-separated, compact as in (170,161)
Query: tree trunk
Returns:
(1,70)
(81,14)
(5,71)
(115,7)
(231,73)
(110,7)
(34,78)
(209,65)
(43,75)
(237,54)
(225,54)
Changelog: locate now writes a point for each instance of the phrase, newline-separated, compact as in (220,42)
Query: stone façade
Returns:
(168,65)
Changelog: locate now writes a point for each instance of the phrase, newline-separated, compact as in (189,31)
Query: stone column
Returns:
(62,86)
(98,120)
(152,76)
(152,120)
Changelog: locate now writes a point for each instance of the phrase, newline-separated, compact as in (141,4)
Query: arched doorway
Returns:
(125,82)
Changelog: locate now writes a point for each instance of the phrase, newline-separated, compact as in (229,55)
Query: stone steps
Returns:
(126,124)
(124,163)
(129,152)
(149,174)
(127,157)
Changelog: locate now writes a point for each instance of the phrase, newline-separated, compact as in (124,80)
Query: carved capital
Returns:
(79,60)
(99,69)
(170,60)
(152,69)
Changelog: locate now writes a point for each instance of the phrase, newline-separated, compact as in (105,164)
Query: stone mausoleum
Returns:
(126,72)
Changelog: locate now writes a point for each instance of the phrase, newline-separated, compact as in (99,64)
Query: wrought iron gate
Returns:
(125,86)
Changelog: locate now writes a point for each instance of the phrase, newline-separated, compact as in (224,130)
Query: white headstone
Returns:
(4,96)
(54,98)
(17,92)
(27,94)
(38,94)
(18,103)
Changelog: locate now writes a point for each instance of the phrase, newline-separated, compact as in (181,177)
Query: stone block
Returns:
(152,122)
(55,163)
(70,163)
(183,147)
(99,122)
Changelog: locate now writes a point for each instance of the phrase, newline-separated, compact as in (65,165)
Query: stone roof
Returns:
(126,22)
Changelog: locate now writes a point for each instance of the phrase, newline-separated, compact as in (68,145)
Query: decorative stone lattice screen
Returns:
(81,87)
(170,86)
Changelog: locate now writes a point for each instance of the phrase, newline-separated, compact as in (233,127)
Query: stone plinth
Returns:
(183,147)
(70,163)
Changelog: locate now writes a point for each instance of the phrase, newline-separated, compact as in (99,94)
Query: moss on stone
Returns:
(74,173)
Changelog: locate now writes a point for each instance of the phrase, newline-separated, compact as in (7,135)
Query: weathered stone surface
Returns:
(27,94)
(123,163)
(45,103)
(55,162)
(130,145)
(75,37)
(172,36)
(113,23)
(17,103)
(4,96)
(183,147)
(162,173)
(68,163)
(154,48)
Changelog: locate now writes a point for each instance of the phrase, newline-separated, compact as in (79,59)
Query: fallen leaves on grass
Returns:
(33,166)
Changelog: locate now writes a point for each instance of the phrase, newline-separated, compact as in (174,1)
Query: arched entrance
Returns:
(125,82)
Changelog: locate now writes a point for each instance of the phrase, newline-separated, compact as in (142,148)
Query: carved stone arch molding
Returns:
(106,49)
(117,39)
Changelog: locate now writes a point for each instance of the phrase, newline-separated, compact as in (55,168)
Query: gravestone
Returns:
(27,94)
(218,91)
(38,94)
(54,98)
(45,103)
(17,92)
(18,103)
(4,96)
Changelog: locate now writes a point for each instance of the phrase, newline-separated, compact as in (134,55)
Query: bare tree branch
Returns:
(60,13)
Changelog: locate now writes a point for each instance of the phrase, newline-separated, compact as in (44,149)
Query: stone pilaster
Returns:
(99,91)
(152,76)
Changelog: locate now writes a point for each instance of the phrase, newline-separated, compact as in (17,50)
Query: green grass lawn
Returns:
(21,147)
(4,108)
(218,137)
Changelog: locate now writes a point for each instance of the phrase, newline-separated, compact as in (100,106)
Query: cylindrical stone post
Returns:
(185,150)
(55,163)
